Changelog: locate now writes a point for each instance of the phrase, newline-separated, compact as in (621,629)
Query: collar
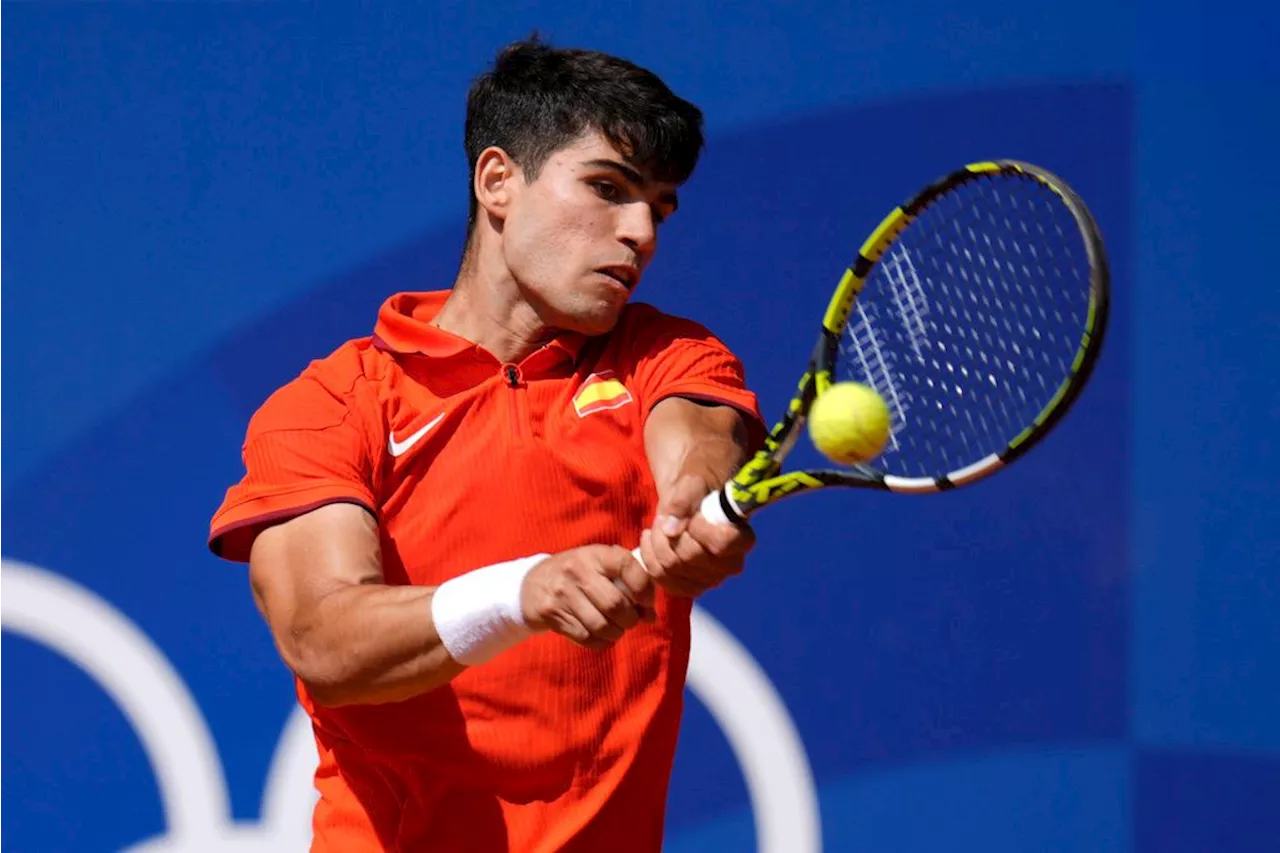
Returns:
(404,326)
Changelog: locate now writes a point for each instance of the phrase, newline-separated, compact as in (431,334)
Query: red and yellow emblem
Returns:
(601,392)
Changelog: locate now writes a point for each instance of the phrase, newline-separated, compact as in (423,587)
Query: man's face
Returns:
(578,237)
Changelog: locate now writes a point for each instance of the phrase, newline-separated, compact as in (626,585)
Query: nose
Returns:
(637,230)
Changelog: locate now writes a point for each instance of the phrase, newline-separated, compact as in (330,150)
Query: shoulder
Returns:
(663,355)
(327,391)
(644,330)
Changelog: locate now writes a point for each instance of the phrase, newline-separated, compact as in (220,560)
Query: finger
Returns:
(664,568)
(569,612)
(586,612)
(611,594)
(688,551)
(662,557)
(565,623)
(611,602)
(628,574)
(720,540)
(687,559)
(670,523)
(682,588)
(639,584)
(644,609)
(636,577)
(699,570)
(679,505)
(615,561)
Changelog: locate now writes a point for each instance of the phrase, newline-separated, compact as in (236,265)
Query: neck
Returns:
(486,307)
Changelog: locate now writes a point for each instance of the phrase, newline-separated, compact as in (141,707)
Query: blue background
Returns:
(1082,654)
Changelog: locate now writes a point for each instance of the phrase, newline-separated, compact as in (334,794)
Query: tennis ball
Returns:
(849,422)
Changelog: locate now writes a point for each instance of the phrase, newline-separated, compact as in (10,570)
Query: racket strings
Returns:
(970,322)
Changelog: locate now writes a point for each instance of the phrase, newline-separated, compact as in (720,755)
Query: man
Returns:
(439,518)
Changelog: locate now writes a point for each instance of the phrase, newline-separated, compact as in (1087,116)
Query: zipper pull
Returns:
(512,374)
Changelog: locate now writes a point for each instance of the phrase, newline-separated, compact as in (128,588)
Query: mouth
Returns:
(627,276)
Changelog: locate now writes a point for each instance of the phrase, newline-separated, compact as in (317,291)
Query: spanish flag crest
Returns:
(602,391)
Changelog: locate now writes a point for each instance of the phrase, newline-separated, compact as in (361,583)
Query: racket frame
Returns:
(761,481)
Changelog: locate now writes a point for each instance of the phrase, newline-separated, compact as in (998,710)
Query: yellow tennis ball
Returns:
(849,422)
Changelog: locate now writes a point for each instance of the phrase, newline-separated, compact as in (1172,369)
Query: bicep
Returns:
(295,564)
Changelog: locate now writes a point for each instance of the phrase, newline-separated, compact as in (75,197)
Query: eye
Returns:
(607,190)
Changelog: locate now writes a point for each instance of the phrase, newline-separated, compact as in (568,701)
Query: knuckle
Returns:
(691,552)
(558,589)
(721,542)
(679,552)
(570,629)
(620,610)
(602,629)
(594,621)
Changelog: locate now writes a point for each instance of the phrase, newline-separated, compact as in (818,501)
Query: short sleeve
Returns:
(675,357)
(307,446)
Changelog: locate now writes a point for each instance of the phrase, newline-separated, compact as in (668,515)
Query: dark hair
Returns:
(537,99)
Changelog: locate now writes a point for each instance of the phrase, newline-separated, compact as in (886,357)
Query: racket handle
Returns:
(712,508)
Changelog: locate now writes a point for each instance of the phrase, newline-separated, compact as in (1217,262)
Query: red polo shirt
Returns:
(467,462)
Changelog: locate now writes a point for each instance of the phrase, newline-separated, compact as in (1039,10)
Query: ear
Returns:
(497,179)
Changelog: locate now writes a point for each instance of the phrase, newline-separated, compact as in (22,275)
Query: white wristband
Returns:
(478,614)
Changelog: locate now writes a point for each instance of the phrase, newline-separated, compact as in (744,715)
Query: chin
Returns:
(594,312)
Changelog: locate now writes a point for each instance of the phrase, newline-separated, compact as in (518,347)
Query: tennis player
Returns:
(438,518)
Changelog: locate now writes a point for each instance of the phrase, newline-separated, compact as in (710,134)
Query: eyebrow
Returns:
(634,177)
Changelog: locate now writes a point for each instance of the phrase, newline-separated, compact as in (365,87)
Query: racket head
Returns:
(977,309)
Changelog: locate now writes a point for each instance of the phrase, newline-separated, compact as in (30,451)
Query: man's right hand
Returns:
(574,593)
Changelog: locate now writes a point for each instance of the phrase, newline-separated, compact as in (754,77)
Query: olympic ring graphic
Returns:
(88,631)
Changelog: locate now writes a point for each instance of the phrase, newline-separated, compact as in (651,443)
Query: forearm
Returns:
(350,637)
(686,438)
(693,450)
(370,643)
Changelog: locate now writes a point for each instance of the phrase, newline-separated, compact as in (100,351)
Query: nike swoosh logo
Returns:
(399,448)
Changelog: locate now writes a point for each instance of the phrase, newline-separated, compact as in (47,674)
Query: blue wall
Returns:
(201,197)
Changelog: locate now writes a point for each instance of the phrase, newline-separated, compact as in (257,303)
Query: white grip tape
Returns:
(713,510)
(478,614)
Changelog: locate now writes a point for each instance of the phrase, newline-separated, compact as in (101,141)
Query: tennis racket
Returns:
(977,311)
